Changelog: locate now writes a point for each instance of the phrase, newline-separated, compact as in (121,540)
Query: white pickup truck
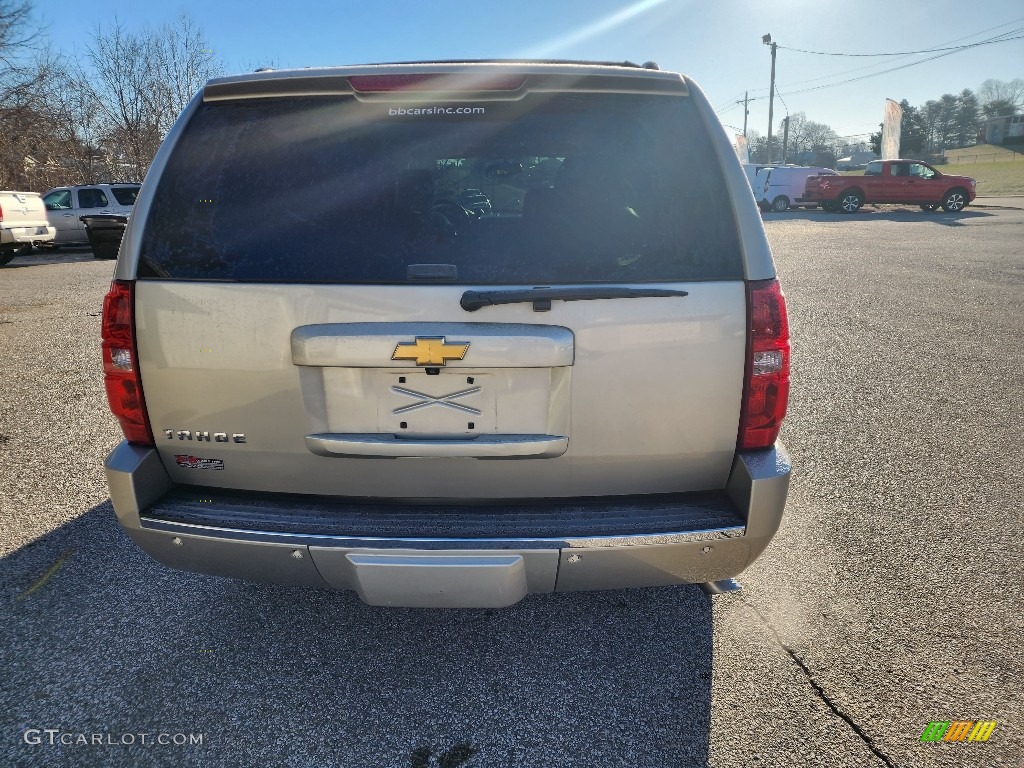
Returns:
(22,224)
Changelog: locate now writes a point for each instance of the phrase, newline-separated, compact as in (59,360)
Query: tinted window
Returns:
(579,188)
(873,169)
(125,195)
(58,201)
(91,198)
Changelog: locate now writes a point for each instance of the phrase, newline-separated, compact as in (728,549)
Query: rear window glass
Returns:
(570,188)
(125,195)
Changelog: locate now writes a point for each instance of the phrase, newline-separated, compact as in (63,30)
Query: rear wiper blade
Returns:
(542,297)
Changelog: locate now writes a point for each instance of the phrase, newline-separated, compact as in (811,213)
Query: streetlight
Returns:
(767,40)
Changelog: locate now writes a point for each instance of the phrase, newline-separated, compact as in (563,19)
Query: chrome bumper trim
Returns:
(321,540)
(483,447)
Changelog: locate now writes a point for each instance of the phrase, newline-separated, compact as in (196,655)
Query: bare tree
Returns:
(184,62)
(823,141)
(20,40)
(141,81)
(24,67)
(125,83)
(1009,95)
(77,127)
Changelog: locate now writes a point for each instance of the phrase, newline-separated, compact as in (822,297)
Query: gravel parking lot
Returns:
(891,597)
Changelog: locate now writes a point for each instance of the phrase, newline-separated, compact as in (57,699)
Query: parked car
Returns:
(22,224)
(781,188)
(321,384)
(65,207)
(893,181)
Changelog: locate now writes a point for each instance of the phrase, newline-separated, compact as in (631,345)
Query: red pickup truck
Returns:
(892,181)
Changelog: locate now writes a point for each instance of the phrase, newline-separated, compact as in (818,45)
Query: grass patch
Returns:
(993,179)
(983,153)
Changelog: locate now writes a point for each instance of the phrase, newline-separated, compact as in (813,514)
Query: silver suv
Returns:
(65,207)
(327,374)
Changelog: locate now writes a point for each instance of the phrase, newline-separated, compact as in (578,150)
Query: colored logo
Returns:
(430,350)
(959,730)
(194,462)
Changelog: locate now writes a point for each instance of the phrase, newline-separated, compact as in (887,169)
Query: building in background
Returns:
(1008,129)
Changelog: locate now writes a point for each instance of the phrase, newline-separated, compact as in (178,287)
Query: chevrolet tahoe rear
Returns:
(330,372)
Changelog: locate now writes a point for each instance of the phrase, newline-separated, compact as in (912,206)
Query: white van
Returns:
(782,188)
(752,169)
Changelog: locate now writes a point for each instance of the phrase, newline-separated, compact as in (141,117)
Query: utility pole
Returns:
(767,40)
(746,98)
(785,138)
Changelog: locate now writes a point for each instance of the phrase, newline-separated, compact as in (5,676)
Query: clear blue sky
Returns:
(717,42)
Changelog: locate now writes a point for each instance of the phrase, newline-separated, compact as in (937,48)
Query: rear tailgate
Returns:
(649,405)
(23,215)
(301,271)
(812,188)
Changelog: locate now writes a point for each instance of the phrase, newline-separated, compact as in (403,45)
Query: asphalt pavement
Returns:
(1006,201)
(892,596)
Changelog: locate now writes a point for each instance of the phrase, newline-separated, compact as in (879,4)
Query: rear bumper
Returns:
(431,555)
(26,235)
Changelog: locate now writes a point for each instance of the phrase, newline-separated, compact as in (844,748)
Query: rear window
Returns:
(125,195)
(569,188)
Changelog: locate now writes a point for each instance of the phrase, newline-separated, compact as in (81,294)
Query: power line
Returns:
(885,71)
(779,94)
(730,101)
(997,39)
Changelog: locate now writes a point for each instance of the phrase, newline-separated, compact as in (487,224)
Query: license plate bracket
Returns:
(449,404)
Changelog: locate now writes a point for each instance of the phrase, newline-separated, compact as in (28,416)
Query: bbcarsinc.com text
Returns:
(403,111)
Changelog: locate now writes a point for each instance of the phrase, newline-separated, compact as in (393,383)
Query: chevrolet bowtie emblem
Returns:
(430,350)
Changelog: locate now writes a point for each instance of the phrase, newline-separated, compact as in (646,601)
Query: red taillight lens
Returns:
(120,363)
(766,383)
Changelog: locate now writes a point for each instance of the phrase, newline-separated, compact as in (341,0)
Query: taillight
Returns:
(120,363)
(766,381)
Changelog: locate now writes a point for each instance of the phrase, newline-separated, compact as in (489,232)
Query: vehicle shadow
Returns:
(63,255)
(913,215)
(102,639)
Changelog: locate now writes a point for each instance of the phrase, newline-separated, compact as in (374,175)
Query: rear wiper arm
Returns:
(542,297)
